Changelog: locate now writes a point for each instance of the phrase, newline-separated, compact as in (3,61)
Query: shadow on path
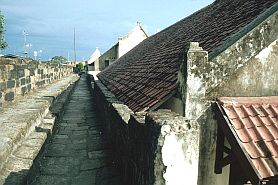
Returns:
(77,153)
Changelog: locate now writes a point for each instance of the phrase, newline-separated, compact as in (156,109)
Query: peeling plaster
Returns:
(264,54)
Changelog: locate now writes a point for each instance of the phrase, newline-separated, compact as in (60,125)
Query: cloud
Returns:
(98,23)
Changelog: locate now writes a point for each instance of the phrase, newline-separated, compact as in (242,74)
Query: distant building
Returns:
(91,63)
(124,44)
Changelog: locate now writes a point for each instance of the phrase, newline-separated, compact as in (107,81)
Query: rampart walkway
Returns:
(77,153)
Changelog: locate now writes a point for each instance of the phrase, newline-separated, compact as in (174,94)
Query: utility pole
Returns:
(74,45)
(25,34)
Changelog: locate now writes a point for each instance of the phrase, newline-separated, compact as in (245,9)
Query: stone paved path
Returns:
(77,153)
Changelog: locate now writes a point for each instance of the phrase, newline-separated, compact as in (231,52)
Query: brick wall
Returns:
(19,76)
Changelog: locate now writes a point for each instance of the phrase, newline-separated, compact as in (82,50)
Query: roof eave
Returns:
(239,151)
(163,100)
(238,35)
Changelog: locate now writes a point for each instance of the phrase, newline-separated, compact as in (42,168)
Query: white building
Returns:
(124,44)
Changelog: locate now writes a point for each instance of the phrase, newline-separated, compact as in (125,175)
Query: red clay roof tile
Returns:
(254,120)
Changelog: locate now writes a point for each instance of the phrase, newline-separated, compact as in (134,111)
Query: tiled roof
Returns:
(149,71)
(255,122)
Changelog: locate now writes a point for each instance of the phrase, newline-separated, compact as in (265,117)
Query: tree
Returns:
(58,60)
(3,43)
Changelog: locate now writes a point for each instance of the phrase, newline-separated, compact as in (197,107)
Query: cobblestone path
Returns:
(77,153)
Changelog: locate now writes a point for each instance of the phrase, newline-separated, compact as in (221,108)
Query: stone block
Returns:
(23,90)
(53,180)
(32,72)
(4,173)
(12,74)
(18,164)
(11,84)
(33,142)
(28,79)
(20,73)
(6,146)
(17,83)
(9,96)
(29,87)
(3,86)
(27,152)
(38,135)
(14,131)
(22,81)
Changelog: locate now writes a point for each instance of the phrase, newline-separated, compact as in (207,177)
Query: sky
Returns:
(50,24)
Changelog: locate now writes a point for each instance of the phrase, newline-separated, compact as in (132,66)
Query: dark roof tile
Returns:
(157,57)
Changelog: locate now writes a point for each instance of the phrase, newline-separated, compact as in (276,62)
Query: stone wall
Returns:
(20,76)
(247,67)
(149,148)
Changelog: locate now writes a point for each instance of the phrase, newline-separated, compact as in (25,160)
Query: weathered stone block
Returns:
(40,71)
(17,83)
(22,81)
(28,79)
(11,84)
(18,164)
(26,152)
(14,131)
(23,90)
(3,86)
(32,72)
(9,96)
(5,149)
(29,87)
(20,73)
(12,74)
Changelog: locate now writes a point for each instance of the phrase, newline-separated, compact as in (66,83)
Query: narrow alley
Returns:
(77,153)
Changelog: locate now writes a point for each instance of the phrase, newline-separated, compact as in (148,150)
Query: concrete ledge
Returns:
(24,128)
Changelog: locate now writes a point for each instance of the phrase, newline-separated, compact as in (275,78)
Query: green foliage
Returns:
(80,66)
(3,43)
(58,60)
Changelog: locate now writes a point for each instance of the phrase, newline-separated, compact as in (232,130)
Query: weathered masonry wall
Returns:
(241,52)
(25,126)
(19,76)
(259,77)
(247,67)
(150,148)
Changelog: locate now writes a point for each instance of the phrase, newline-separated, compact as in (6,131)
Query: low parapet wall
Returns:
(20,76)
(149,147)
(25,127)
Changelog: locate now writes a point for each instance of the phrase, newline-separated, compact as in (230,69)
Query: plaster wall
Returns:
(124,45)
(240,53)
(174,104)
(246,67)
(128,42)
(176,154)
(158,147)
(259,77)
(111,55)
